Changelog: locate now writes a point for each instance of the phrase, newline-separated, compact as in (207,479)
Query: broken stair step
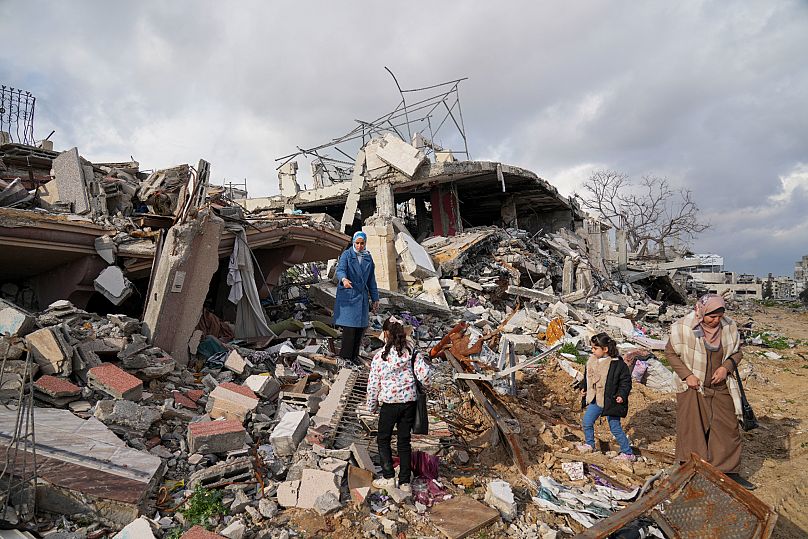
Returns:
(216,436)
(57,387)
(115,382)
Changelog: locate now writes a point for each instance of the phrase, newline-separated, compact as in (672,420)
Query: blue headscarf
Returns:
(360,254)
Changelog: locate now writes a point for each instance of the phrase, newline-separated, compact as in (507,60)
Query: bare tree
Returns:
(652,213)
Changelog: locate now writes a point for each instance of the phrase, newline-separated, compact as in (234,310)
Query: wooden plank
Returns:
(461,516)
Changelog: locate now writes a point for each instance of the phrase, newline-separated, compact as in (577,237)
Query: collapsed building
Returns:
(166,341)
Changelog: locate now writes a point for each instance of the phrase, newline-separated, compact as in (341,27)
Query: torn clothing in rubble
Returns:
(352,305)
(250,319)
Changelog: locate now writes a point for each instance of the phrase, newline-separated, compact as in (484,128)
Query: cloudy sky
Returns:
(712,95)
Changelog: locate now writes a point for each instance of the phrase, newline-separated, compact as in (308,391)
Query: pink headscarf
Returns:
(705,305)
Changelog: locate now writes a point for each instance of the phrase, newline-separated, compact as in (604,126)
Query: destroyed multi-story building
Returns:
(172,333)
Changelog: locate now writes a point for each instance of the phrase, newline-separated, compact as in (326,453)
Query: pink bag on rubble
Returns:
(424,465)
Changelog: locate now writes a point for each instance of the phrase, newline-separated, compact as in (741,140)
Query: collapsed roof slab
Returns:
(84,469)
(487,184)
(33,242)
(56,251)
(318,243)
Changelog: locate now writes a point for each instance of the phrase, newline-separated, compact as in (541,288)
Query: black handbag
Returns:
(748,420)
(421,423)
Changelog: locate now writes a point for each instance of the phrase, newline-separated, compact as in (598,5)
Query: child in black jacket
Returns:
(607,383)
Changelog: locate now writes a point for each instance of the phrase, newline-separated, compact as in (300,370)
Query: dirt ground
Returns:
(775,456)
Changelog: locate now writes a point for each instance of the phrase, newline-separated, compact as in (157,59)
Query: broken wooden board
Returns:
(461,516)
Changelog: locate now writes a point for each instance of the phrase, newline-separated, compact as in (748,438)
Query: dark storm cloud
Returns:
(709,94)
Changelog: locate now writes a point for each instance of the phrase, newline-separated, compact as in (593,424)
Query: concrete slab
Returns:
(50,351)
(113,285)
(313,484)
(68,184)
(84,468)
(138,529)
(415,260)
(400,155)
(264,386)
(216,436)
(15,322)
(231,401)
(236,363)
(288,434)
(115,382)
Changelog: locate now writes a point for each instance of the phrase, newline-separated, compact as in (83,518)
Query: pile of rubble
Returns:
(215,406)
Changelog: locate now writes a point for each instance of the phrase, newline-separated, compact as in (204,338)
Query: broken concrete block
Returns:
(542,296)
(50,351)
(327,503)
(287,493)
(126,416)
(234,530)
(335,466)
(264,386)
(56,391)
(13,349)
(137,529)
(15,322)
(313,484)
(68,185)
(267,508)
(89,354)
(400,155)
(625,325)
(522,344)
(433,292)
(106,248)
(115,382)
(415,260)
(236,363)
(500,496)
(224,473)
(375,167)
(216,436)
(231,401)
(287,179)
(113,285)
(288,434)
(362,457)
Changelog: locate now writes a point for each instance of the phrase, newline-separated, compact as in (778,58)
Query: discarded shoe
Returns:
(584,448)
(384,484)
(741,481)
(626,456)
(405,487)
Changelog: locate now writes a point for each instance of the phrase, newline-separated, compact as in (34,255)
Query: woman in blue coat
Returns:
(356,288)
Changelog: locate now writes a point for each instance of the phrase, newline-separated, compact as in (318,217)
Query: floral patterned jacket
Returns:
(391,380)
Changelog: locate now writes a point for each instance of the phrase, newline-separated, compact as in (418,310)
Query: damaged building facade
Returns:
(169,347)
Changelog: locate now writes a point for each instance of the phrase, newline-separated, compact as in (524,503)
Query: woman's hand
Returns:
(692,381)
(346,283)
(719,375)
(618,400)
(374,307)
